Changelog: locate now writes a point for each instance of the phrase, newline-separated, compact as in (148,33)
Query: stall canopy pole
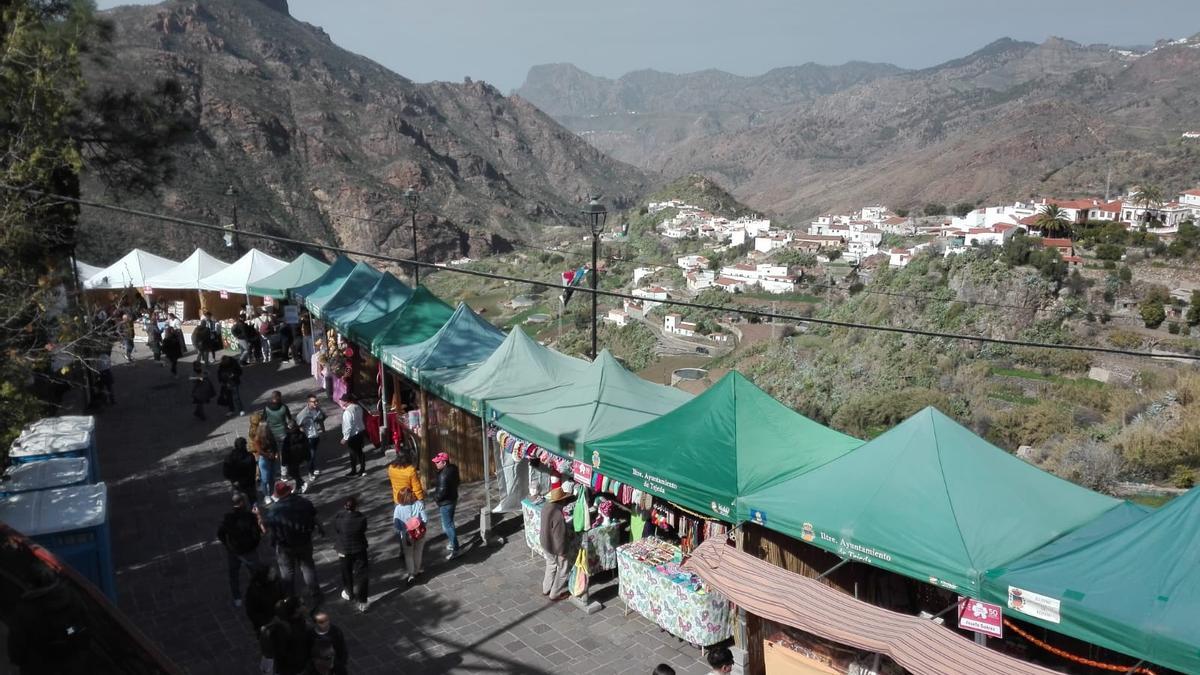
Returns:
(831,570)
(485,517)
(383,405)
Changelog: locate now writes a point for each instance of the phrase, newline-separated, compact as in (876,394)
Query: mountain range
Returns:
(1007,121)
(318,143)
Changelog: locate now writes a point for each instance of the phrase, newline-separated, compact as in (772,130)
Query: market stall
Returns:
(181,283)
(730,440)
(358,283)
(324,285)
(387,295)
(126,276)
(227,292)
(929,500)
(598,542)
(301,271)
(1126,582)
(654,583)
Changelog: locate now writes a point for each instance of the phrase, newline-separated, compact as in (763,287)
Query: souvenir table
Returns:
(653,585)
(600,542)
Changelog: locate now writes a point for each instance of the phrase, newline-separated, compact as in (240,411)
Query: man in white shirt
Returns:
(354,434)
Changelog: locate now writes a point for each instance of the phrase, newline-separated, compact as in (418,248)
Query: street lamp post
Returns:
(411,197)
(232,238)
(597,213)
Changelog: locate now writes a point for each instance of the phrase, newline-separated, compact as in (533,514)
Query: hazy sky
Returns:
(498,40)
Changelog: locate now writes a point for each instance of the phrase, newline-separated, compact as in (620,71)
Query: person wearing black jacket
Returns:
(295,454)
(261,595)
(239,469)
(326,638)
(350,527)
(286,640)
(446,496)
(291,521)
(229,375)
(240,532)
(172,348)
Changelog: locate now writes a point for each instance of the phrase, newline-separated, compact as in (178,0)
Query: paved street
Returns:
(481,613)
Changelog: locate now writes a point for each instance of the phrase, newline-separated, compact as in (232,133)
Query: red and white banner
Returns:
(147,291)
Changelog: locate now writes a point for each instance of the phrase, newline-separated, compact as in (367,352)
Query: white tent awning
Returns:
(131,270)
(85,271)
(246,270)
(188,273)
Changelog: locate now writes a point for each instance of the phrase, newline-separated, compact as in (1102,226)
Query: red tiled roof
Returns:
(1029,220)
(1056,243)
(1195,192)
(726,281)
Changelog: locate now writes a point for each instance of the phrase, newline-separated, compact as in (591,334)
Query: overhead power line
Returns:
(613,294)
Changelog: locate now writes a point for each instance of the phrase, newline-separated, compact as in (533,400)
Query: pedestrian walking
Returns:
(326,638)
(265,329)
(408,520)
(153,336)
(262,445)
(294,457)
(105,375)
(278,419)
(125,331)
(239,469)
(446,496)
(402,475)
(215,343)
(242,332)
(350,541)
(553,539)
(172,348)
(354,434)
(262,595)
(240,531)
(229,375)
(200,336)
(291,521)
(286,641)
(203,390)
(312,421)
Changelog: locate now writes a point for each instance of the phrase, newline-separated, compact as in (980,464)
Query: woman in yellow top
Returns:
(402,474)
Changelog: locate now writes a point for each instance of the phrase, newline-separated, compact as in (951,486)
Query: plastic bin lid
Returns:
(57,510)
(65,424)
(37,443)
(50,473)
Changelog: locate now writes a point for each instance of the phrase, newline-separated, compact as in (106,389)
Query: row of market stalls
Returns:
(729,513)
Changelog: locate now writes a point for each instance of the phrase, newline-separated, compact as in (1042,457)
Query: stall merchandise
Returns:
(676,600)
(301,271)
(1126,582)
(930,500)
(600,543)
(729,441)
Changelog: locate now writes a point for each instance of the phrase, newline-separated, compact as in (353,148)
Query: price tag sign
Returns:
(147,291)
(224,295)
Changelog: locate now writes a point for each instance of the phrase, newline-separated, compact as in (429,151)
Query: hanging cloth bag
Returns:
(582,520)
(579,574)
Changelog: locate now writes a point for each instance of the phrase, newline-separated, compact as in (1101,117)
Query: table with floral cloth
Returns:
(700,617)
(600,542)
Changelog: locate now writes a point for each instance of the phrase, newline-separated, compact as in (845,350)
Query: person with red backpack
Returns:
(408,520)
(240,531)
(265,329)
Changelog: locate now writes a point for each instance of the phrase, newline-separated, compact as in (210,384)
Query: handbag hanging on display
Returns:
(579,574)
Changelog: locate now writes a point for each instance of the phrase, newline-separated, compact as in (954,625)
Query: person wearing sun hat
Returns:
(446,496)
(553,539)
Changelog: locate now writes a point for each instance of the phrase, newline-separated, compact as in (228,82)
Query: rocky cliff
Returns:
(319,143)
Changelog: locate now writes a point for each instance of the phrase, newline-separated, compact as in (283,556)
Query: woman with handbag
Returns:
(409,520)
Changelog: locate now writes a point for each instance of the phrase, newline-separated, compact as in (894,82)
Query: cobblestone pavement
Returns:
(480,613)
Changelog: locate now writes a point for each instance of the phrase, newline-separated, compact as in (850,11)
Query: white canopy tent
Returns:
(246,270)
(187,274)
(84,271)
(131,270)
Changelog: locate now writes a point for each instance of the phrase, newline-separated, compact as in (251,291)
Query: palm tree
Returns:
(1052,220)
(1150,197)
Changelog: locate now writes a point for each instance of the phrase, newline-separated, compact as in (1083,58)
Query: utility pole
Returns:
(231,239)
(597,213)
(411,198)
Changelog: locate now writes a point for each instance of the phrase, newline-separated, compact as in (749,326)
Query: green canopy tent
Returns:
(1135,591)
(731,440)
(331,279)
(414,321)
(301,271)
(386,296)
(356,284)
(605,399)
(464,339)
(518,366)
(930,500)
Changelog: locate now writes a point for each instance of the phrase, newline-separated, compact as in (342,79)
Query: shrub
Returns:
(1109,252)
(1173,328)
(1153,313)
(1125,274)
(1183,477)
(932,209)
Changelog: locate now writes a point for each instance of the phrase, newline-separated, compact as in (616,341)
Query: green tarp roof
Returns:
(301,271)
(327,282)
(414,321)
(518,366)
(464,339)
(605,399)
(728,441)
(356,285)
(1135,591)
(930,500)
(387,295)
